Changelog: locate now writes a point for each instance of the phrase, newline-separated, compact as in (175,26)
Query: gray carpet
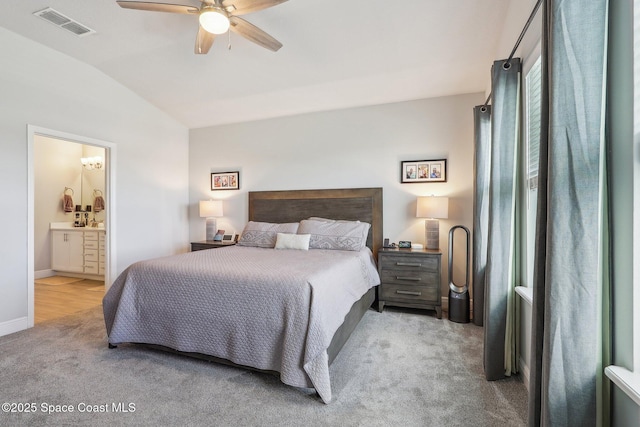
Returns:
(400,368)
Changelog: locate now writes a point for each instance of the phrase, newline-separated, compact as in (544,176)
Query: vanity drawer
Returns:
(91,267)
(90,255)
(90,235)
(90,244)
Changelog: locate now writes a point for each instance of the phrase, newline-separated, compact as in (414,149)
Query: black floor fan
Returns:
(459,305)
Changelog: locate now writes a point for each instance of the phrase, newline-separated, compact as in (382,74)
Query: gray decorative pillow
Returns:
(330,234)
(264,234)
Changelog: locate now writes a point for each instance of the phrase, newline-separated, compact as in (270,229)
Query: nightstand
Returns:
(410,278)
(208,244)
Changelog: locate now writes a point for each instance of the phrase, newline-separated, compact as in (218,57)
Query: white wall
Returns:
(358,147)
(44,88)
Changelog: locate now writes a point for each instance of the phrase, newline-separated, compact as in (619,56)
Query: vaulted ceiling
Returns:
(334,55)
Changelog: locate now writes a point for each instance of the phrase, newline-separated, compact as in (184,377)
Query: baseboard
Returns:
(78,275)
(41,274)
(524,371)
(15,325)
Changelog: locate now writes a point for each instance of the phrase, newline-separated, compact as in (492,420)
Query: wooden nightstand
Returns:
(208,244)
(410,278)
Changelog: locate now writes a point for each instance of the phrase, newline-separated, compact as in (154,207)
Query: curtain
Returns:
(499,313)
(570,244)
(482,166)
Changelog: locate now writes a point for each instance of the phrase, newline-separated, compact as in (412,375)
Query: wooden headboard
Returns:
(353,204)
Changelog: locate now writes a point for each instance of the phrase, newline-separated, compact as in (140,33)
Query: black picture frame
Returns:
(225,180)
(421,171)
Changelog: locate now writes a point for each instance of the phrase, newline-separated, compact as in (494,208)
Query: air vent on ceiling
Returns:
(63,21)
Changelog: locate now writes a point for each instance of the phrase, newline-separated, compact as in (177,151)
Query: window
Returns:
(532,96)
(626,376)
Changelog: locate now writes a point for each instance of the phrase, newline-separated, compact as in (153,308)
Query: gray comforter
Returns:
(264,308)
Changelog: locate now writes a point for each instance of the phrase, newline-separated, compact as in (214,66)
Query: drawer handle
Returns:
(413,279)
(414,293)
(409,264)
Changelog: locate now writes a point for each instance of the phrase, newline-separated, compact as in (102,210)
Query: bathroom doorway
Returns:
(70,192)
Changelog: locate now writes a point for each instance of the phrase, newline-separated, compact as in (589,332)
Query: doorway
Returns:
(83,183)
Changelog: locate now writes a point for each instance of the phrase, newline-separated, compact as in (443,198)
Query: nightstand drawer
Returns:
(403,277)
(409,262)
(410,293)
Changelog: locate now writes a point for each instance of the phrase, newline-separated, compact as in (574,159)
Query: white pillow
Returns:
(293,241)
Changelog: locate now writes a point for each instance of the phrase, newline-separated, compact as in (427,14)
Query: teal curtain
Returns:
(571,246)
(499,297)
(482,167)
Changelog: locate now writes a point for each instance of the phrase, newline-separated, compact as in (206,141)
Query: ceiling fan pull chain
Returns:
(229,45)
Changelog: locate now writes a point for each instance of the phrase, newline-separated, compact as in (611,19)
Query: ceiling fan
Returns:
(217,17)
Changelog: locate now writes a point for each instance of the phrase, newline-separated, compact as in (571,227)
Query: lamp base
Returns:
(432,233)
(211,228)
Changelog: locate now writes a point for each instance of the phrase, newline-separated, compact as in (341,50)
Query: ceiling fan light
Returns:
(214,21)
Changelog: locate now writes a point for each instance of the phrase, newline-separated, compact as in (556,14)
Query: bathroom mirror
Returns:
(93,179)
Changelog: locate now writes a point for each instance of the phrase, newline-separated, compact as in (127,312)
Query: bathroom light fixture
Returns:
(432,208)
(91,163)
(210,209)
(214,20)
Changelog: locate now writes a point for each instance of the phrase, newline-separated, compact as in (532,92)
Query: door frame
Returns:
(110,214)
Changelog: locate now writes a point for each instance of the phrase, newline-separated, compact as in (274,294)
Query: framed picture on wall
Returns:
(412,171)
(225,180)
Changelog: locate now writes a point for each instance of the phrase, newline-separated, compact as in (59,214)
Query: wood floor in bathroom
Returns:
(59,296)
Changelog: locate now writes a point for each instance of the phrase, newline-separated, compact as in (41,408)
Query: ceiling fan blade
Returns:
(204,40)
(158,7)
(240,7)
(253,33)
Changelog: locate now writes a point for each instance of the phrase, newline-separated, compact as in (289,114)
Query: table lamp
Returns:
(432,208)
(211,209)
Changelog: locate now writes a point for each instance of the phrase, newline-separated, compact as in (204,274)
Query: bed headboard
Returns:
(353,204)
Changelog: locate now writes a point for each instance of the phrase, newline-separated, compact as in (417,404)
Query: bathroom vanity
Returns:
(77,249)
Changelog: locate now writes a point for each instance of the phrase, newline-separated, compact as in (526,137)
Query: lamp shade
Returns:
(432,207)
(210,208)
(214,20)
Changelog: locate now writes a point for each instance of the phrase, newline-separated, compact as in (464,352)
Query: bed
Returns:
(287,312)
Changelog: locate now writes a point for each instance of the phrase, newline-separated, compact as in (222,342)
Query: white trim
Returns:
(636,192)
(626,380)
(110,216)
(41,274)
(14,325)
(30,230)
(525,293)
